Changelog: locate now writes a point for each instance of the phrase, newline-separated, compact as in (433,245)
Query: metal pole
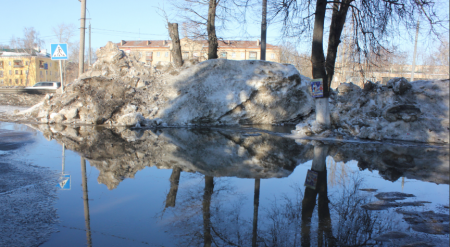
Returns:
(90,57)
(415,51)
(61,74)
(63,157)
(255,212)
(82,34)
(86,202)
(263,30)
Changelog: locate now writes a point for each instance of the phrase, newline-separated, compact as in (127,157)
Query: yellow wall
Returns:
(30,64)
(196,50)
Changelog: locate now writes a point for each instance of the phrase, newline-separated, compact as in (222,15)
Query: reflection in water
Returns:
(86,202)
(120,153)
(255,212)
(309,202)
(209,190)
(174,182)
(211,213)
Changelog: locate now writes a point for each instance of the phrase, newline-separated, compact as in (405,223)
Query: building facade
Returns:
(154,52)
(22,68)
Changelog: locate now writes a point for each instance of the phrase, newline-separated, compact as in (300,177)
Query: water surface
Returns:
(228,187)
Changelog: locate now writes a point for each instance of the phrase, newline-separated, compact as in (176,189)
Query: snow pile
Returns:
(417,111)
(119,153)
(120,91)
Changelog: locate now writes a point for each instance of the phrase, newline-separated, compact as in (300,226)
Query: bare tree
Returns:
(202,18)
(289,54)
(31,40)
(373,23)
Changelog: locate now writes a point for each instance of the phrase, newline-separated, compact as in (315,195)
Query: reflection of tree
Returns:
(209,190)
(174,182)
(338,172)
(353,226)
(209,214)
(309,202)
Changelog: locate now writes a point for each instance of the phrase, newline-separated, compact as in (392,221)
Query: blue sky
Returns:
(115,20)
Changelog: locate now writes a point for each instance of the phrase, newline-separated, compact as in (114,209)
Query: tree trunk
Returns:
(176,46)
(211,27)
(318,65)
(263,30)
(336,27)
(317,55)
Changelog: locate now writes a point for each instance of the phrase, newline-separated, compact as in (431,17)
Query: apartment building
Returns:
(19,67)
(154,52)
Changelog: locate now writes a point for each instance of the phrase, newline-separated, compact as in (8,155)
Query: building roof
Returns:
(21,52)
(236,44)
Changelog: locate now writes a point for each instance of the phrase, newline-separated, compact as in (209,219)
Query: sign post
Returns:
(59,52)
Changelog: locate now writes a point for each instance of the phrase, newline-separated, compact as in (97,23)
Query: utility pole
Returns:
(82,34)
(263,30)
(415,51)
(90,56)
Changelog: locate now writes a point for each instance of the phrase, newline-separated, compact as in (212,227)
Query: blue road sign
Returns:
(59,51)
(64,183)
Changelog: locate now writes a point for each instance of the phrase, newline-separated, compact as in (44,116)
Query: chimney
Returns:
(257,42)
(122,42)
(148,42)
(228,42)
(164,42)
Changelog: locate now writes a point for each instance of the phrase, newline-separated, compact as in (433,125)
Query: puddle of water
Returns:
(189,187)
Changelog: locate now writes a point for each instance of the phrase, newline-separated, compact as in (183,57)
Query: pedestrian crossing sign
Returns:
(64,182)
(59,51)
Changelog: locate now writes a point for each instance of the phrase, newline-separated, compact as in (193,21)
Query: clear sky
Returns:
(115,20)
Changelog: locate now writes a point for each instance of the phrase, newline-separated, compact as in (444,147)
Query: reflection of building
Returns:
(19,67)
(154,51)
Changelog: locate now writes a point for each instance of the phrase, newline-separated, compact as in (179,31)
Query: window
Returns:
(166,54)
(233,54)
(10,81)
(16,72)
(41,72)
(272,56)
(253,55)
(21,81)
(149,56)
(41,64)
(243,55)
(158,54)
(223,55)
(26,63)
(1,64)
(9,63)
(17,81)
(10,72)
(50,73)
(26,72)
(46,72)
(21,72)
(185,55)
(1,82)
(1,73)
(18,63)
